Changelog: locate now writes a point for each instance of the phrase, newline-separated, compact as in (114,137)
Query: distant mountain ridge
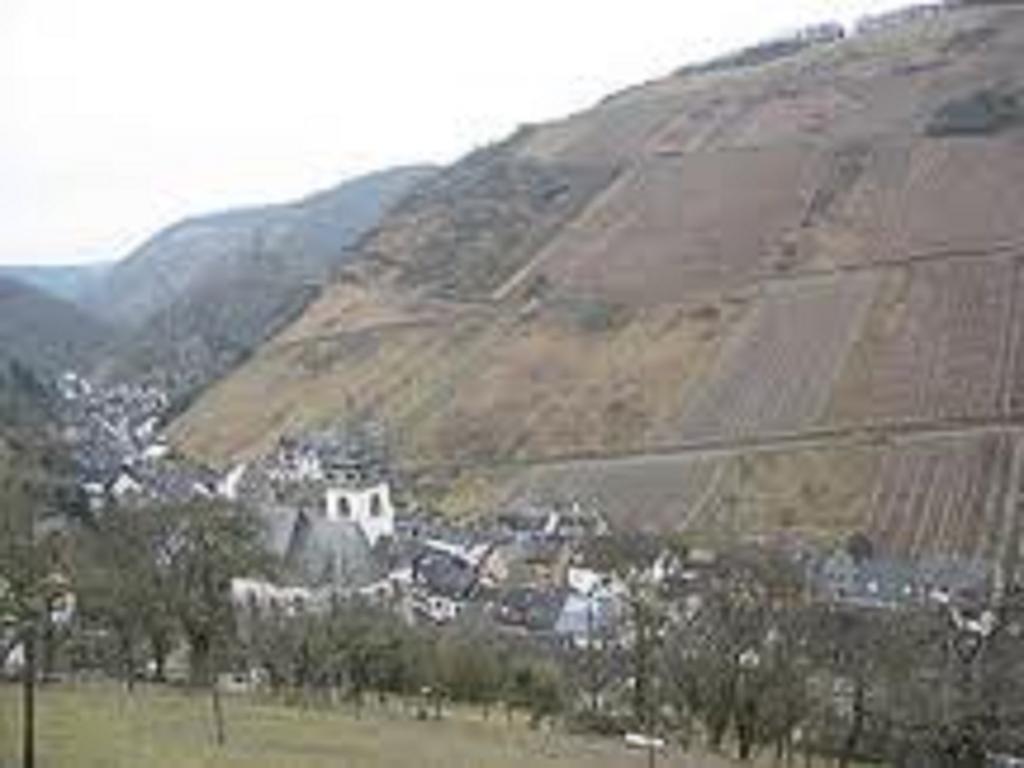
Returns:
(71,282)
(45,334)
(195,298)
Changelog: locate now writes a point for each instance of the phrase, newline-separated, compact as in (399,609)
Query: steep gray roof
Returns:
(329,553)
(581,616)
(278,527)
(317,552)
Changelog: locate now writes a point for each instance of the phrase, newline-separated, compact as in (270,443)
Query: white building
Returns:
(366,502)
(263,594)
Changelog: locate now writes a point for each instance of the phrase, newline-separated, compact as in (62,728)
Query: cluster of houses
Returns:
(855,575)
(117,446)
(333,520)
(901,16)
(536,569)
(332,516)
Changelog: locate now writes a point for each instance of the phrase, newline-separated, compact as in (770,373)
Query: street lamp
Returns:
(967,642)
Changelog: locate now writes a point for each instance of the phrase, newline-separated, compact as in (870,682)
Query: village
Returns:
(334,514)
(540,602)
(588,386)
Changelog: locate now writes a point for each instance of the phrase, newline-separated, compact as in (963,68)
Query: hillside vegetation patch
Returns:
(985,112)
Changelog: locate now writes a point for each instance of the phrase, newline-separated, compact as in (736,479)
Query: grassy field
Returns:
(94,726)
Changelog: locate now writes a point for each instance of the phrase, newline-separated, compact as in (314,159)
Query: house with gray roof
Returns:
(318,552)
(588,621)
(884,582)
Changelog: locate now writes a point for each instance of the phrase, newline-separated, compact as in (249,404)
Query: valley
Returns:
(689,424)
(815,256)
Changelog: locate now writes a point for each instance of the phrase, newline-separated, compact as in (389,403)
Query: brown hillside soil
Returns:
(922,497)
(699,224)
(935,346)
(731,261)
(567,376)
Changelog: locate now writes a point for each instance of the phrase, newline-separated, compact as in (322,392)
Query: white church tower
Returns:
(364,497)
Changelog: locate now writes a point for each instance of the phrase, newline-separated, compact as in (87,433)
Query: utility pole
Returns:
(592,654)
(968,642)
(28,689)
(647,624)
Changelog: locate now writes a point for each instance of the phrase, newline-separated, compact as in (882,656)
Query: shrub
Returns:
(984,112)
(599,316)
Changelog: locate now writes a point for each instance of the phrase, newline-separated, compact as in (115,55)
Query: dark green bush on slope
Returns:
(984,112)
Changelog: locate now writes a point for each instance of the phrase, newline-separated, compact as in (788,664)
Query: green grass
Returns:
(101,726)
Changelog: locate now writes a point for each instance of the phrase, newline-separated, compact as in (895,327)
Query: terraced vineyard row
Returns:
(660,493)
(688,226)
(921,497)
(933,195)
(1014,376)
(944,497)
(924,343)
(935,347)
(776,374)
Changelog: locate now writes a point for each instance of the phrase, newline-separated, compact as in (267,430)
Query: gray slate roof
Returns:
(318,552)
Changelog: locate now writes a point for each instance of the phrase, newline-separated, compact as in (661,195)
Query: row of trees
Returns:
(148,580)
(355,649)
(29,564)
(744,661)
(143,579)
(758,664)
(740,660)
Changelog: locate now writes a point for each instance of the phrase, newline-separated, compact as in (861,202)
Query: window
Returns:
(344,509)
(375,505)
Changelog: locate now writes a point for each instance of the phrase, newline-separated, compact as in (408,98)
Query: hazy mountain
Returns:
(25,399)
(45,334)
(199,295)
(73,282)
(783,290)
(41,336)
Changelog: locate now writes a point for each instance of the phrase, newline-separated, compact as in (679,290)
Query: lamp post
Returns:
(748,662)
(647,622)
(37,613)
(592,658)
(965,645)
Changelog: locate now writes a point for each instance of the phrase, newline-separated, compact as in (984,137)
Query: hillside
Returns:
(745,297)
(44,334)
(25,401)
(198,296)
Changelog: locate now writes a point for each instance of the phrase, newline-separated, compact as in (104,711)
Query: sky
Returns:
(122,116)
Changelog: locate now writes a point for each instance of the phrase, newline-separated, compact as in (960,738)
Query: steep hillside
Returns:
(200,295)
(25,400)
(44,334)
(806,270)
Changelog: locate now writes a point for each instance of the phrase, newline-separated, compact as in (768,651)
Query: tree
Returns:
(270,639)
(536,685)
(212,542)
(955,697)
(31,565)
(469,668)
(632,557)
(123,579)
(735,663)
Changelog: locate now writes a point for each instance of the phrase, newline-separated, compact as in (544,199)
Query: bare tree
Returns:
(32,572)
(123,579)
(736,662)
(212,543)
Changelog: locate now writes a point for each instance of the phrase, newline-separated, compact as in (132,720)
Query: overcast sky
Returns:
(121,116)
